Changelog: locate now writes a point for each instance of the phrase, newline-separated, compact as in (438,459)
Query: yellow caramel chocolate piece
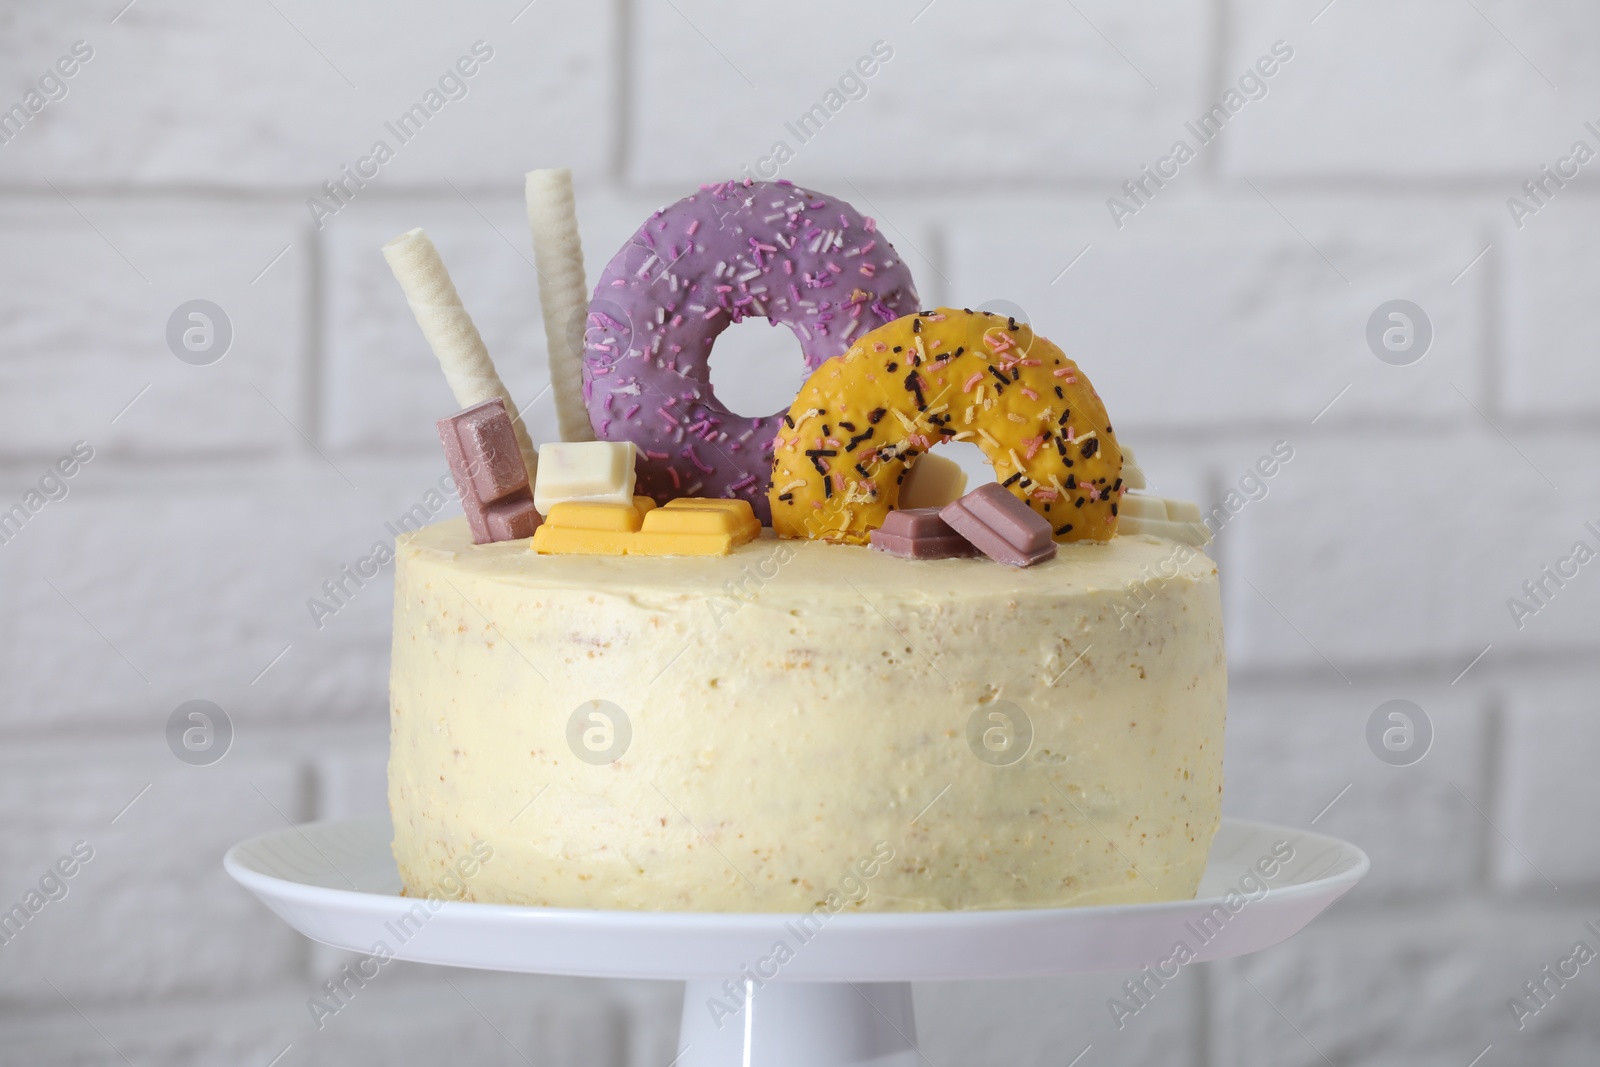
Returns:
(932,482)
(682,527)
(589,528)
(945,375)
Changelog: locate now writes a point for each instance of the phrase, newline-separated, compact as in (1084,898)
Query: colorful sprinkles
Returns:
(1014,394)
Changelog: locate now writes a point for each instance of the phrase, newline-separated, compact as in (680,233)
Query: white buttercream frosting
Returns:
(798,708)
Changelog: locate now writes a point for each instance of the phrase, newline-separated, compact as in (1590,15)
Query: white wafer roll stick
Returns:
(450,331)
(563,294)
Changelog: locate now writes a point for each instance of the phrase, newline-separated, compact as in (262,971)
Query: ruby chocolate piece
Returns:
(919,533)
(487,466)
(1003,527)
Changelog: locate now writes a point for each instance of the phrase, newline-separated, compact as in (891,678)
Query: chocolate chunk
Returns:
(1002,526)
(481,448)
(919,533)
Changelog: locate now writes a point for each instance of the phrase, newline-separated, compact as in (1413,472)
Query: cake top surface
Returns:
(1082,567)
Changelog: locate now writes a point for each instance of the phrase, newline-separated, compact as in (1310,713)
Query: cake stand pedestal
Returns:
(838,992)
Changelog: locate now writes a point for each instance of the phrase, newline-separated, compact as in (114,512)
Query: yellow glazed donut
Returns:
(945,375)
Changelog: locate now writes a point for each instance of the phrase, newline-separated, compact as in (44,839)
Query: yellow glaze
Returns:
(935,376)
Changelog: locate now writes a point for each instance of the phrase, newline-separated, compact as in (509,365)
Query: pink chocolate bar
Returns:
(919,533)
(489,473)
(1003,527)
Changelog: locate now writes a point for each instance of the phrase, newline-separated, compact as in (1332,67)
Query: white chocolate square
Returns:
(932,482)
(599,471)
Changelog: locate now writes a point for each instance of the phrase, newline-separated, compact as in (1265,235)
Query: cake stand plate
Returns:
(837,992)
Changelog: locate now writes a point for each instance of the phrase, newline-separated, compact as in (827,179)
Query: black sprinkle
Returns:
(822,452)
(1072,481)
(786,497)
(1059,394)
(1063,529)
(827,487)
(1011,479)
(896,348)
(1016,373)
(789,422)
(915,386)
(1065,414)
(1001,378)
(893,366)
(827,431)
(1078,503)
(849,426)
(1117,485)
(916,327)
(1113,509)
(858,438)
(863,471)
(1011,322)
(1090,447)
(960,349)
(877,414)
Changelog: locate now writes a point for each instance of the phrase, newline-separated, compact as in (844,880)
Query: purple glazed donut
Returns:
(727,253)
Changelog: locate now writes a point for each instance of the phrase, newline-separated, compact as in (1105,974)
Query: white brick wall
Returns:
(1227,314)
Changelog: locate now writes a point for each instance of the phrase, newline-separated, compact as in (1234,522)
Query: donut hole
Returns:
(756,368)
(970,458)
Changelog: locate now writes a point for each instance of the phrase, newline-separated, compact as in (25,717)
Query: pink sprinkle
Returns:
(748,479)
(677,320)
(694,224)
(974,380)
(871,224)
(724,288)
(1045,494)
(1064,372)
(879,346)
(665,414)
(1030,362)
(1033,444)
(689,454)
(835,267)
(605,424)
(868,270)
(788,266)
(673,472)
(618,282)
(633,409)
(1029,393)
(655,455)
(713,313)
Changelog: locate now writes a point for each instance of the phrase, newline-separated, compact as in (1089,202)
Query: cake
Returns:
(680,686)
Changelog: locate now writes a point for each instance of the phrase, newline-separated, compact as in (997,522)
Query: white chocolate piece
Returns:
(563,294)
(450,331)
(1134,506)
(1132,475)
(1154,516)
(932,482)
(1183,511)
(597,471)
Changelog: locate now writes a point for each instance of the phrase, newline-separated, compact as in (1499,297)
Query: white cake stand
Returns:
(841,995)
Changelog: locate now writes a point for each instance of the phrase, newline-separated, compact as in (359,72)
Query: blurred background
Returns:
(1445,452)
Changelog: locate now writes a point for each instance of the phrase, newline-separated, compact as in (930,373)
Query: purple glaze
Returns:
(731,251)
